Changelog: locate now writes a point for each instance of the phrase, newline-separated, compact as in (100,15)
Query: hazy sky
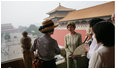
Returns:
(33,12)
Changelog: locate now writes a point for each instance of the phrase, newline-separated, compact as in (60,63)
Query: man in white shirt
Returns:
(94,45)
(104,56)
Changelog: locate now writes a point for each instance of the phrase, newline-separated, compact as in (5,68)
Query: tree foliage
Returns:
(7,36)
(33,29)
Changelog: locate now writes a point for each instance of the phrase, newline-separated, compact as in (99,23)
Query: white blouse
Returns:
(93,47)
(103,57)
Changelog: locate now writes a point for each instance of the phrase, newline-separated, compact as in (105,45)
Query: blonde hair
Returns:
(72,24)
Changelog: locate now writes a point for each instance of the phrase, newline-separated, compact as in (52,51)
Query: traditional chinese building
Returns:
(58,13)
(81,18)
(8,28)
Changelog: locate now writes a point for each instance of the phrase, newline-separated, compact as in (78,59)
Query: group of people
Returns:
(99,46)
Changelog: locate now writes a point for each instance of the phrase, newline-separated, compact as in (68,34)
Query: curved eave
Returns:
(95,11)
(82,18)
(60,8)
(59,11)
(52,17)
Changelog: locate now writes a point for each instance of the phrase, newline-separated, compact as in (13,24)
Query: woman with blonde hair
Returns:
(72,41)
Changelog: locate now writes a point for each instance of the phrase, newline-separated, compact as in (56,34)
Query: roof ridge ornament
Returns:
(59,4)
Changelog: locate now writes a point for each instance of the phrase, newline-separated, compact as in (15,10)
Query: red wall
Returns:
(59,35)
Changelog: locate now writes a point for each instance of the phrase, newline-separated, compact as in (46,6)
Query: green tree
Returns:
(2,34)
(7,36)
(33,29)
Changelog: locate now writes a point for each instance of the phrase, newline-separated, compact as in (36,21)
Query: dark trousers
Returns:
(49,64)
(82,62)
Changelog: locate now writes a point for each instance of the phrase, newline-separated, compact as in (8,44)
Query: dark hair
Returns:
(24,34)
(94,21)
(71,24)
(105,33)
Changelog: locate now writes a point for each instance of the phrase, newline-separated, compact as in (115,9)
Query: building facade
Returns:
(83,16)
(80,17)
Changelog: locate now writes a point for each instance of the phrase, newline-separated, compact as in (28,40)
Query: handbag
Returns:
(37,63)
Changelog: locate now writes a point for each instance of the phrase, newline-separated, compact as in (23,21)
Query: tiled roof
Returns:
(56,15)
(95,11)
(10,30)
(60,8)
(6,26)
